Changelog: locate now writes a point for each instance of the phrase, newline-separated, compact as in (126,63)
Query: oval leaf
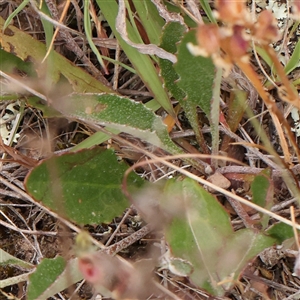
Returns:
(84,186)
(200,232)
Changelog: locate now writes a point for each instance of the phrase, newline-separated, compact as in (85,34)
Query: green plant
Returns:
(186,63)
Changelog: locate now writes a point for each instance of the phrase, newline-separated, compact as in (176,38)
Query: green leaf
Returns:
(236,108)
(84,186)
(48,27)
(180,266)
(185,79)
(119,113)
(294,61)
(281,232)
(262,189)
(259,188)
(122,114)
(95,139)
(88,33)
(15,12)
(198,229)
(196,80)
(264,55)
(150,19)
(7,259)
(200,232)
(206,6)
(241,246)
(99,137)
(196,76)
(63,279)
(45,274)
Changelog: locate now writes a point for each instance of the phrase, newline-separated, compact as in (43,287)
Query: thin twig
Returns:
(241,212)
(118,227)
(126,242)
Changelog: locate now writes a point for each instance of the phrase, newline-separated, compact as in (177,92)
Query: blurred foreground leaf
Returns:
(10,63)
(200,232)
(27,48)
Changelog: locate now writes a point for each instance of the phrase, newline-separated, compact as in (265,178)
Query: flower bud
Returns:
(232,12)
(265,30)
(208,38)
